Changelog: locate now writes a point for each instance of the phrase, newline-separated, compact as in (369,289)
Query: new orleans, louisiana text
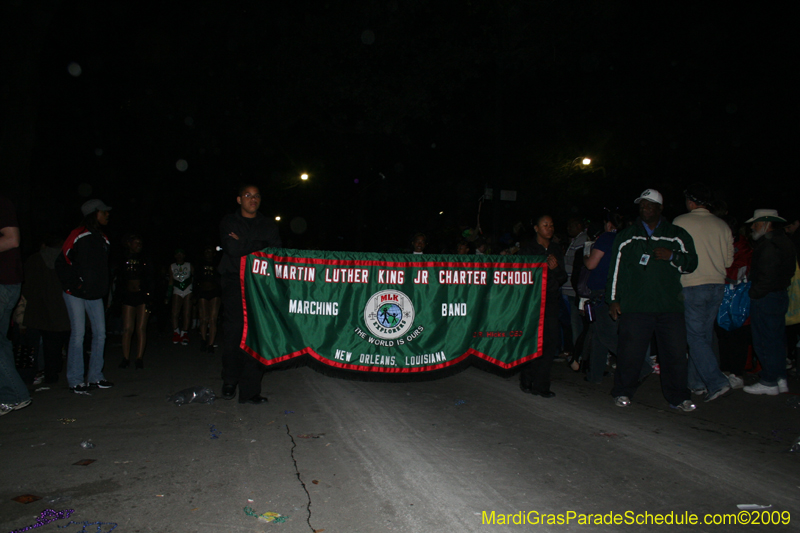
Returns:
(630,518)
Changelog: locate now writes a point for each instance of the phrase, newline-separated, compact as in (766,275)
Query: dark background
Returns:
(402,113)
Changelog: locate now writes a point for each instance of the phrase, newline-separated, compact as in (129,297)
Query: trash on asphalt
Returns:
(461,402)
(288,412)
(84,462)
(795,446)
(752,506)
(275,518)
(45,517)
(310,435)
(66,420)
(315,481)
(199,394)
(98,524)
(88,444)
(215,433)
(27,498)
(605,434)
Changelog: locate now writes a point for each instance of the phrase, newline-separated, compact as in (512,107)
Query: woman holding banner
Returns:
(534,377)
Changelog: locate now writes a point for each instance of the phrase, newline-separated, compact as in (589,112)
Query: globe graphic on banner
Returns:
(389,315)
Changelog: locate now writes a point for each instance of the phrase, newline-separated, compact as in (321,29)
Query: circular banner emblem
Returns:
(389,314)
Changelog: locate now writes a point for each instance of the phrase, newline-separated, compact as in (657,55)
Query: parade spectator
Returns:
(46,317)
(703,290)
(773,265)
(135,293)
(535,374)
(14,394)
(577,232)
(643,291)
(603,330)
(418,243)
(209,298)
(82,267)
(242,232)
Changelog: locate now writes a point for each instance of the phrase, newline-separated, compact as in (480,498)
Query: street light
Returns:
(586,161)
(278,218)
(304,176)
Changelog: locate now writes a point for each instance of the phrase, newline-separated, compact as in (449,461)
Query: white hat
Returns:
(91,206)
(651,195)
(767,215)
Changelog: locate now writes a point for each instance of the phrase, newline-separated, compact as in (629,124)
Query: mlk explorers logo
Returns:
(389,314)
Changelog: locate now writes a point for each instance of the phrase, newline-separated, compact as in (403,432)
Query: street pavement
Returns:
(348,456)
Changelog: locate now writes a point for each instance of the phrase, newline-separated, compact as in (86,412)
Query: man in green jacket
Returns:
(644,295)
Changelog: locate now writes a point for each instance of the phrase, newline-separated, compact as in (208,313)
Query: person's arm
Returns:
(612,281)
(593,259)
(9,238)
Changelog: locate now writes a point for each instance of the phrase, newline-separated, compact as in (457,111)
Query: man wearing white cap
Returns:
(643,292)
(771,272)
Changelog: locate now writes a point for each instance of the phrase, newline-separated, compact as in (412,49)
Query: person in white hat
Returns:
(643,292)
(771,271)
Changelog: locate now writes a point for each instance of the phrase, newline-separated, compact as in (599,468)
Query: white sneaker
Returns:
(783,386)
(622,401)
(686,406)
(759,388)
(735,381)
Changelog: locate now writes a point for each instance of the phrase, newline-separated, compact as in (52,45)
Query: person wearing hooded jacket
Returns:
(82,267)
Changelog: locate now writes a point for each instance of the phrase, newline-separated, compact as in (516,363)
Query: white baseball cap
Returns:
(651,195)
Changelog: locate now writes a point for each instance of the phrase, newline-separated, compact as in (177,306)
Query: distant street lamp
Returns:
(303,176)
(586,161)
(277,218)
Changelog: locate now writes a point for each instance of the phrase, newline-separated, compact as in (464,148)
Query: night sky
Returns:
(398,111)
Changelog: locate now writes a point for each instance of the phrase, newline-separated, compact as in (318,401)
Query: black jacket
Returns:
(773,264)
(556,277)
(82,265)
(254,234)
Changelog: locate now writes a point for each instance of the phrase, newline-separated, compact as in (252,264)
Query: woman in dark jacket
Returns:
(535,375)
(82,267)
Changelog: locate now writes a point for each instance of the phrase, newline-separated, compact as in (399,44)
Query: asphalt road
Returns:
(346,456)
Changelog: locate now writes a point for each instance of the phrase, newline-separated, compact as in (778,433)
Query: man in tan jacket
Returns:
(703,290)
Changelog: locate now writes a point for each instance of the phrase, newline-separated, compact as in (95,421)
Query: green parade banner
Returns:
(392,313)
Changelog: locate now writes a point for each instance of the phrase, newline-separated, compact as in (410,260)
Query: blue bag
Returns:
(735,307)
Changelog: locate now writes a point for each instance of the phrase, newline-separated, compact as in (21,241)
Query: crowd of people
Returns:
(628,297)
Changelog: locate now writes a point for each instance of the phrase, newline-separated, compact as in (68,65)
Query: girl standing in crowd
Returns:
(180,287)
(134,289)
(209,296)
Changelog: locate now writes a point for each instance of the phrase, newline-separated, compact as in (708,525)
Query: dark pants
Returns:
(604,339)
(536,374)
(53,343)
(733,348)
(767,316)
(238,367)
(635,332)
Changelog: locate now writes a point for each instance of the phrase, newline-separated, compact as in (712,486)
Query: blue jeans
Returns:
(78,308)
(12,388)
(575,319)
(701,306)
(768,321)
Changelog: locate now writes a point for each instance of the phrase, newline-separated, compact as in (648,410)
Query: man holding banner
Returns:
(241,233)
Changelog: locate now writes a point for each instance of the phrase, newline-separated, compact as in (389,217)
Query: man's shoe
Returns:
(546,394)
(783,386)
(5,409)
(735,381)
(80,388)
(760,388)
(228,392)
(184,338)
(526,390)
(125,363)
(102,384)
(255,400)
(20,405)
(139,364)
(176,337)
(685,406)
(622,401)
(699,392)
(721,392)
